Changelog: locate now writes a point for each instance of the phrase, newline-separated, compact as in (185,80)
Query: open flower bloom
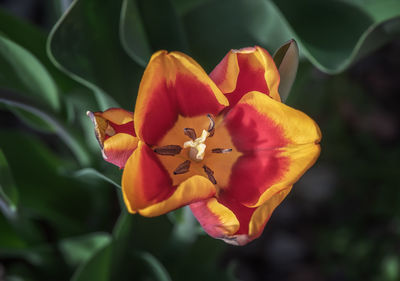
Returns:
(224,143)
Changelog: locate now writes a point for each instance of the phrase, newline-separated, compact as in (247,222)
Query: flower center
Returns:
(196,151)
(197,147)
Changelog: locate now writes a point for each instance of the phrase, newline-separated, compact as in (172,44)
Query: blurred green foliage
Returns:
(62,217)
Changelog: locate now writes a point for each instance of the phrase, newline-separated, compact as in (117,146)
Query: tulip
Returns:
(222,143)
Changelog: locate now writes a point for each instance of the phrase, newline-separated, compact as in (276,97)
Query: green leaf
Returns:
(97,266)
(31,120)
(22,72)
(46,188)
(329,43)
(286,59)
(155,267)
(184,6)
(85,45)
(232,24)
(148,26)
(34,40)
(133,33)
(333,34)
(77,250)
(12,99)
(26,35)
(8,189)
(93,173)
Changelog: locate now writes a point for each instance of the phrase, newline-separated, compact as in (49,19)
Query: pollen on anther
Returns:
(191,133)
(168,150)
(211,127)
(221,150)
(182,168)
(210,174)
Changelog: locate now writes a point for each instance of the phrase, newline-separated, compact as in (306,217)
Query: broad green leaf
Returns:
(21,71)
(77,250)
(8,189)
(133,33)
(86,46)
(34,40)
(148,26)
(93,173)
(26,35)
(286,59)
(184,6)
(97,266)
(332,34)
(12,99)
(155,267)
(232,24)
(31,120)
(47,189)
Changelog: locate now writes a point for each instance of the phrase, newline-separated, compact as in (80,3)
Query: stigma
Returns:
(197,146)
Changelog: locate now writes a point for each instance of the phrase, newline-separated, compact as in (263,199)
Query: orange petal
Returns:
(118,148)
(193,189)
(173,84)
(278,144)
(145,181)
(148,188)
(245,70)
(115,133)
(262,214)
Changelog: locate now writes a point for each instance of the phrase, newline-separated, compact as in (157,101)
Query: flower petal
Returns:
(193,189)
(278,144)
(148,187)
(118,148)
(145,181)
(115,133)
(262,214)
(245,70)
(173,84)
(232,222)
(216,219)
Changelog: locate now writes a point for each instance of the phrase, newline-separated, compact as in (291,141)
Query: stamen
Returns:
(182,168)
(191,133)
(210,174)
(221,150)
(211,127)
(168,150)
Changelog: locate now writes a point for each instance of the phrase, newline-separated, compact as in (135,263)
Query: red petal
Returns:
(232,222)
(173,84)
(145,181)
(246,70)
(278,144)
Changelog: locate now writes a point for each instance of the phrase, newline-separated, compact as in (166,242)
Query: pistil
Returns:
(197,147)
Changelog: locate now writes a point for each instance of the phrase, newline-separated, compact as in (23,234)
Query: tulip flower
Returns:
(222,143)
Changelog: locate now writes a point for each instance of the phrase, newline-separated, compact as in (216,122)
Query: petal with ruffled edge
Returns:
(245,70)
(232,222)
(278,144)
(148,188)
(173,85)
(115,133)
